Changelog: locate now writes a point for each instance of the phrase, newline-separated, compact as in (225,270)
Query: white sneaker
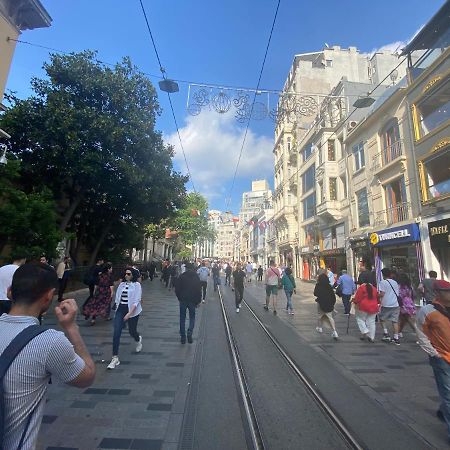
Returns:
(114,362)
(400,335)
(203,301)
(319,329)
(237,310)
(139,345)
(334,335)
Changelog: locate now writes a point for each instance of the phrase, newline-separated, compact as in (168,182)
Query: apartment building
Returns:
(428,97)
(225,240)
(16,16)
(259,198)
(383,188)
(330,81)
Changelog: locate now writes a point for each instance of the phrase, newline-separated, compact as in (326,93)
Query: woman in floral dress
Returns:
(407,305)
(100,303)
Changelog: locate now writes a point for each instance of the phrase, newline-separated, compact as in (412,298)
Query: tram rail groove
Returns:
(343,430)
(252,421)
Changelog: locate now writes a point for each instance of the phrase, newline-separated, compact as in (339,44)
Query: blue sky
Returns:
(216,42)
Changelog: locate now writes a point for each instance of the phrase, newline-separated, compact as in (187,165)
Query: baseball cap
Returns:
(441,285)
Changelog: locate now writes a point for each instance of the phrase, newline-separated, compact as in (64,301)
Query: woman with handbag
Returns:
(128,308)
(407,305)
(326,299)
(273,283)
(367,307)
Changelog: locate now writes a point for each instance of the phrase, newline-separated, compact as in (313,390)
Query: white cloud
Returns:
(212,143)
(396,46)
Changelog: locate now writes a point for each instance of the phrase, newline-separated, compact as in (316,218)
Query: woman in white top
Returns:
(273,276)
(128,307)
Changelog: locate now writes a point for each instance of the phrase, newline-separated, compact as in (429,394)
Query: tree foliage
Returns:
(28,221)
(88,134)
(191,220)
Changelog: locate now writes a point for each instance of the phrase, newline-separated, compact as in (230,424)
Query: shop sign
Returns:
(306,249)
(395,236)
(439,233)
(332,252)
(360,244)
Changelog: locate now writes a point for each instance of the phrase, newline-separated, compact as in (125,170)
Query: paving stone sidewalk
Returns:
(400,378)
(138,405)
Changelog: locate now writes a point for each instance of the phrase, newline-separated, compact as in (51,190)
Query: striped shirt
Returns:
(25,383)
(124,296)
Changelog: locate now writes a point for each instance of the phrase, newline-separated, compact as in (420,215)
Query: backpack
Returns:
(6,358)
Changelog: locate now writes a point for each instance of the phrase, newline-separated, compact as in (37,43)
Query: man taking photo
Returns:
(49,353)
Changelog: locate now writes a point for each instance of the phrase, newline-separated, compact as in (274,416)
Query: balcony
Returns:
(396,214)
(388,156)
(293,154)
(329,210)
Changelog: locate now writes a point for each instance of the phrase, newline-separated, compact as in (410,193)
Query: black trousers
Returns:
(62,287)
(238,294)
(204,285)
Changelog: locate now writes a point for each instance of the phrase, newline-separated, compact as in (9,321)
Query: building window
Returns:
(321,192)
(363,208)
(437,176)
(396,202)
(390,139)
(331,150)
(308,151)
(332,186)
(329,62)
(343,187)
(434,109)
(309,179)
(289,144)
(309,206)
(358,154)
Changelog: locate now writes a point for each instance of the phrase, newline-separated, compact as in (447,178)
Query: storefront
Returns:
(334,258)
(361,252)
(309,262)
(439,235)
(399,248)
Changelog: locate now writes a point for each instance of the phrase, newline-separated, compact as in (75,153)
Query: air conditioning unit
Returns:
(352,124)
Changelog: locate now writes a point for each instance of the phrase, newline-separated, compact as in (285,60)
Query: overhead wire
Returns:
(163,73)
(253,102)
(181,81)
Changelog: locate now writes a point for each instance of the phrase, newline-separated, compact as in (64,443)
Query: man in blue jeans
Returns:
(348,288)
(189,293)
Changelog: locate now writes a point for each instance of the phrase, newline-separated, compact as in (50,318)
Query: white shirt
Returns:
(6,276)
(390,289)
(183,268)
(249,268)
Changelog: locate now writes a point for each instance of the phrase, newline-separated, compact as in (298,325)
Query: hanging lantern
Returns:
(221,103)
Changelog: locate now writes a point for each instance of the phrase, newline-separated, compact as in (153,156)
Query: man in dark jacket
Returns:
(238,280)
(189,293)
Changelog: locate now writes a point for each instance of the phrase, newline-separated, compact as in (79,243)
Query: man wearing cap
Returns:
(433,323)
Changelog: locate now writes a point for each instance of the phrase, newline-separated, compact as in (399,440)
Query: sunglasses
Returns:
(128,273)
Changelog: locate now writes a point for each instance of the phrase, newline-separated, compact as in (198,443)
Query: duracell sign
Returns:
(439,233)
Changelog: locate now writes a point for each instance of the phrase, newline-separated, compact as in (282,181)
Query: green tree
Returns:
(28,221)
(88,134)
(191,220)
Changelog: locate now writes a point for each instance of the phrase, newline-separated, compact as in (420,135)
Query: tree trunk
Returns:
(70,211)
(80,234)
(99,243)
(153,246)
(145,250)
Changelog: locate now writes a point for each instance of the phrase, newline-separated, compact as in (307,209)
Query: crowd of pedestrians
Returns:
(26,292)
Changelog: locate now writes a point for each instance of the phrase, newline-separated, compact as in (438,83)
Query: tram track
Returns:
(256,432)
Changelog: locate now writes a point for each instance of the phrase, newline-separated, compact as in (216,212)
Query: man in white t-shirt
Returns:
(203,274)
(6,276)
(249,271)
(388,291)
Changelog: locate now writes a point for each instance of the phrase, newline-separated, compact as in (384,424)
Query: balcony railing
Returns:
(392,215)
(388,155)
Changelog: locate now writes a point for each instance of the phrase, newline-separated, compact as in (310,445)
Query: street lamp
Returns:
(168,86)
(364,102)
(3,159)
